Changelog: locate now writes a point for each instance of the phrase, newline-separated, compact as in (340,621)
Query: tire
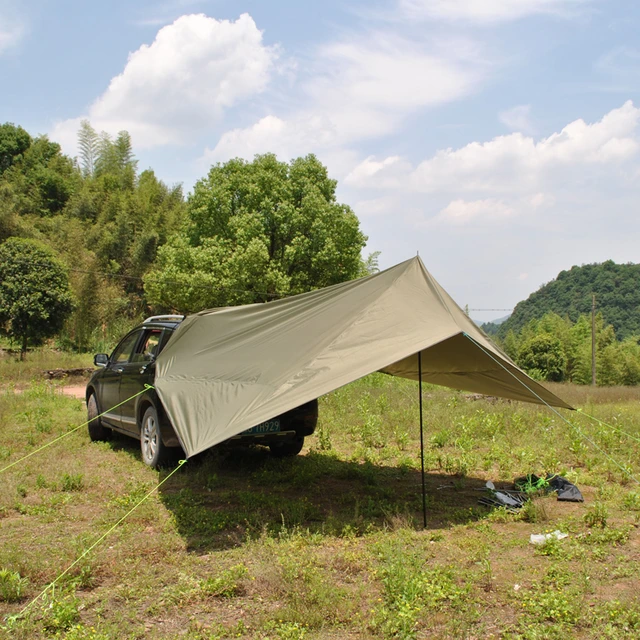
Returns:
(97,431)
(154,452)
(286,449)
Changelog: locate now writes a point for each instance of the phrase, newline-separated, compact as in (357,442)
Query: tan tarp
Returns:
(227,370)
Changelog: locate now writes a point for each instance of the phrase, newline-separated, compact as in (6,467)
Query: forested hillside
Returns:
(130,245)
(617,291)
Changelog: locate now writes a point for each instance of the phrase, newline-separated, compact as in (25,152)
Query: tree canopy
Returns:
(250,231)
(35,297)
(257,231)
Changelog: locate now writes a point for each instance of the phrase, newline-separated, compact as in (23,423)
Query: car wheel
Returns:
(287,448)
(97,431)
(154,453)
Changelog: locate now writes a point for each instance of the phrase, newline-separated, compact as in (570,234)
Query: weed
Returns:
(501,514)
(552,547)
(226,584)
(631,501)
(544,604)
(287,630)
(12,585)
(132,497)
(402,439)
(82,632)
(609,536)
(534,511)
(596,516)
(324,438)
(60,612)
(621,616)
(72,482)
(440,439)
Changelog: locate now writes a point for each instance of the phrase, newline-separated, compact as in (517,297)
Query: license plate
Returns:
(270,426)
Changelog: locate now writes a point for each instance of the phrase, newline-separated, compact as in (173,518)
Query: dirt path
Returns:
(72,390)
(75,391)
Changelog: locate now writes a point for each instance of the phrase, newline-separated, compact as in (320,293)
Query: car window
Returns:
(163,341)
(124,349)
(147,350)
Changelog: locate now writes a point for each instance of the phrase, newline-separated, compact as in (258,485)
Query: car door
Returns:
(110,392)
(140,370)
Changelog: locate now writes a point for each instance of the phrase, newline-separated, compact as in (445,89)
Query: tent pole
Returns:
(424,493)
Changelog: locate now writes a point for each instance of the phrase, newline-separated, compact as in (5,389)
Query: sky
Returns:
(499,139)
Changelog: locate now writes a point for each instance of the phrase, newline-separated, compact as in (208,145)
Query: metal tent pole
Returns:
(424,492)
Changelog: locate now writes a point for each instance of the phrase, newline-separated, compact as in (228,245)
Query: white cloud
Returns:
(366,86)
(358,90)
(461,212)
(12,27)
(515,163)
(182,83)
(390,172)
(486,11)
(517,118)
(272,134)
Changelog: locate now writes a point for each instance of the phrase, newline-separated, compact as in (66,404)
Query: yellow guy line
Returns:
(84,424)
(624,433)
(97,542)
(554,410)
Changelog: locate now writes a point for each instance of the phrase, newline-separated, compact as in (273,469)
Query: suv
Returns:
(119,398)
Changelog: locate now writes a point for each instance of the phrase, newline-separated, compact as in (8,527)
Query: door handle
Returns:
(143,369)
(119,370)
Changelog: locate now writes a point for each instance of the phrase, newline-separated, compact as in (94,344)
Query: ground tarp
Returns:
(227,370)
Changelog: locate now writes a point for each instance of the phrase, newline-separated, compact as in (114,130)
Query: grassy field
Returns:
(329,544)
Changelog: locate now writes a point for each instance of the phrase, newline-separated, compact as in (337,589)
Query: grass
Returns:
(15,373)
(329,544)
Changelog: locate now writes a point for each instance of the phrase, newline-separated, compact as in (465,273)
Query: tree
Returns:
(42,178)
(258,231)
(35,298)
(542,356)
(88,147)
(14,141)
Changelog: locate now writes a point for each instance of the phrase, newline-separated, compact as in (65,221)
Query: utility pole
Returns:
(593,339)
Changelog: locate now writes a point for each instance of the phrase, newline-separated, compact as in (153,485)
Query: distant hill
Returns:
(617,289)
(491,327)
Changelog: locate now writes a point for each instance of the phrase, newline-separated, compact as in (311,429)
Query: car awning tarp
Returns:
(224,371)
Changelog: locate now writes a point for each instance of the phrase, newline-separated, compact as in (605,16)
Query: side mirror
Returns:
(101,360)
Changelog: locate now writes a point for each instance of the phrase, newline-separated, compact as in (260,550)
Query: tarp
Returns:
(226,370)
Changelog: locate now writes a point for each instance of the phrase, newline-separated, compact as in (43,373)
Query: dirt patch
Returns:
(74,391)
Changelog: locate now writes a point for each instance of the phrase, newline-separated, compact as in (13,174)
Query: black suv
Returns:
(121,391)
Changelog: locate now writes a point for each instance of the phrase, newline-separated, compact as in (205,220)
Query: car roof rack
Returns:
(164,318)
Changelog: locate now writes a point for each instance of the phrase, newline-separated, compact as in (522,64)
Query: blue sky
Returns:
(499,138)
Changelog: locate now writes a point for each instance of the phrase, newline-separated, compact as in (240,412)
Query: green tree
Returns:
(542,356)
(42,179)
(35,298)
(14,141)
(257,231)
